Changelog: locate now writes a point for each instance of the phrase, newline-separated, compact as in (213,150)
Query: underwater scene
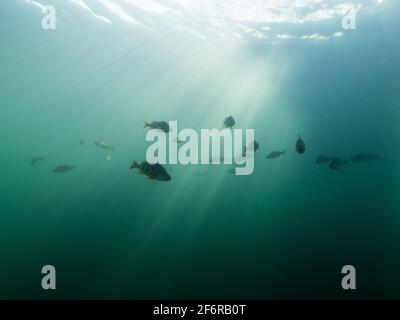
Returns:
(83,83)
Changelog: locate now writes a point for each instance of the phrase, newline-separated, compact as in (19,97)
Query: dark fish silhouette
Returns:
(363,157)
(336,163)
(37,159)
(153,171)
(275,154)
(300,146)
(161,125)
(252,148)
(322,160)
(63,168)
(103,145)
(229,122)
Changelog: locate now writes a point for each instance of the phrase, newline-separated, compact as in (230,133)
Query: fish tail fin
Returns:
(134,165)
(146,125)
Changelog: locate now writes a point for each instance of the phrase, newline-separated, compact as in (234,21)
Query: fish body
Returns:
(153,171)
(300,146)
(322,160)
(363,157)
(37,159)
(160,125)
(275,154)
(229,122)
(103,145)
(252,148)
(337,163)
(63,168)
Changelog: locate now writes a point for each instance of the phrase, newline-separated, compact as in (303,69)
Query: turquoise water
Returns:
(283,232)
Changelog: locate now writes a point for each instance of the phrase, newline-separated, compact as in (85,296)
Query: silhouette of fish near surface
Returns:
(37,159)
(275,154)
(64,169)
(337,163)
(363,157)
(323,160)
(300,146)
(160,125)
(153,171)
(229,122)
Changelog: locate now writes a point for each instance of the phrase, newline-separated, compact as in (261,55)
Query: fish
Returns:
(103,145)
(160,125)
(63,168)
(322,160)
(251,148)
(300,146)
(336,163)
(363,157)
(229,122)
(37,159)
(275,154)
(153,171)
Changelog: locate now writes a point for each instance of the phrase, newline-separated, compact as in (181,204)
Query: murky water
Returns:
(283,232)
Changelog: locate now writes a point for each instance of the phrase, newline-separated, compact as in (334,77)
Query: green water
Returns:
(283,232)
